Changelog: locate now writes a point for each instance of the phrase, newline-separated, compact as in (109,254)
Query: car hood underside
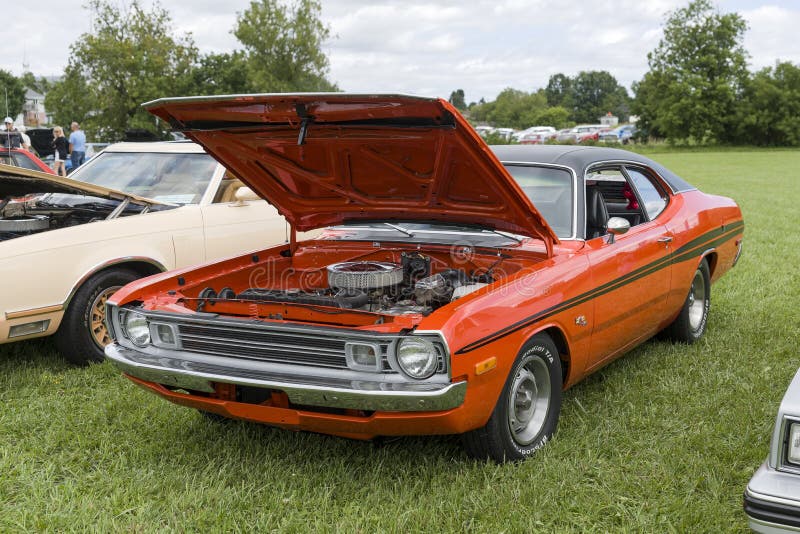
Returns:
(332,158)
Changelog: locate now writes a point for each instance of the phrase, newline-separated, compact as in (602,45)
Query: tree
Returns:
(71,100)
(512,108)
(283,46)
(12,91)
(555,116)
(697,73)
(595,93)
(221,74)
(559,90)
(770,113)
(40,85)
(457,99)
(132,56)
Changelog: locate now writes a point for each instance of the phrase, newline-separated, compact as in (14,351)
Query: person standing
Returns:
(60,145)
(77,145)
(26,140)
(12,138)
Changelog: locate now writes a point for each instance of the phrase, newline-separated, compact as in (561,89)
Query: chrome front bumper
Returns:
(772,501)
(191,374)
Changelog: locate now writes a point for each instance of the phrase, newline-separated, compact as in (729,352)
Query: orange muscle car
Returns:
(458,289)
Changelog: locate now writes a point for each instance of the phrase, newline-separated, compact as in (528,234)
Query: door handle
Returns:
(666,240)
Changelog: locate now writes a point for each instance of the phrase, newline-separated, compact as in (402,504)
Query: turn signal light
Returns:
(485,366)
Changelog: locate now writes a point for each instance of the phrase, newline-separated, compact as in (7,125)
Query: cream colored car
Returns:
(135,209)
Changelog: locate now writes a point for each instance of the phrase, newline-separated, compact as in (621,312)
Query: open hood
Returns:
(331,158)
(18,182)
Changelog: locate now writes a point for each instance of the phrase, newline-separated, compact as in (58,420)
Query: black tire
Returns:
(691,322)
(537,365)
(79,338)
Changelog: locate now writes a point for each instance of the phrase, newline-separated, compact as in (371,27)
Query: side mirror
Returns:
(617,226)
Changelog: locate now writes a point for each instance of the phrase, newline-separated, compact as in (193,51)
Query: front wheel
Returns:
(83,335)
(690,325)
(526,414)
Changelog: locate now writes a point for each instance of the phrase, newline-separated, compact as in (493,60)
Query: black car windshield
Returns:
(166,177)
(551,190)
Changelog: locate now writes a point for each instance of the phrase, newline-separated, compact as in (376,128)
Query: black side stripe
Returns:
(692,249)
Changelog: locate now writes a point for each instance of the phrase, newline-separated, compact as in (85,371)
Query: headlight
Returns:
(417,357)
(137,329)
(793,447)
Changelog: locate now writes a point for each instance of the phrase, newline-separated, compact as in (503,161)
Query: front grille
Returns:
(273,345)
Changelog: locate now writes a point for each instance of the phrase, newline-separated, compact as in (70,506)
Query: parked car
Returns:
(455,294)
(536,138)
(505,133)
(621,134)
(772,497)
(580,133)
(19,157)
(132,211)
(483,131)
(543,131)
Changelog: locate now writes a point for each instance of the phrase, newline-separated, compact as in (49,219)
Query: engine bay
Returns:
(25,216)
(389,288)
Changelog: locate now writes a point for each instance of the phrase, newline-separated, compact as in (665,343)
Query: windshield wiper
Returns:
(504,234)
(399,229)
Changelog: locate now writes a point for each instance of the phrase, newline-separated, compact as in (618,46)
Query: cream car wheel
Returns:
(83,335)
(97,321)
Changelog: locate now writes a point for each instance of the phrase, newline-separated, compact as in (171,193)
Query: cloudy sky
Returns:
(432,47)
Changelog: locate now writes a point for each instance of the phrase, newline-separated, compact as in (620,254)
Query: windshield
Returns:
(417,232)
(551,192)
(166,177)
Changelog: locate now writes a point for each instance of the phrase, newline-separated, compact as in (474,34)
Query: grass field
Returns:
(663,440)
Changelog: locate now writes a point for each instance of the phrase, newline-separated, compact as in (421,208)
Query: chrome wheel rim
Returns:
(697,301)
(529,401)
(97,316)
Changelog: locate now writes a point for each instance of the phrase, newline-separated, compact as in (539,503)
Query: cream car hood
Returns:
(18,182)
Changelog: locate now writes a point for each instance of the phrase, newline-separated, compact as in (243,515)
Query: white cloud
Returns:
(432,48)
(772,35)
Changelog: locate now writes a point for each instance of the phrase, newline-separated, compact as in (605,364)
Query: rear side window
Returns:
(653,198)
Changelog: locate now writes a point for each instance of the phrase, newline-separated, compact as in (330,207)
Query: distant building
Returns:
(609,120)
(33,112)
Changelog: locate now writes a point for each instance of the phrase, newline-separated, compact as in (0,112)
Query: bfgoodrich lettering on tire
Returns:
(526,414)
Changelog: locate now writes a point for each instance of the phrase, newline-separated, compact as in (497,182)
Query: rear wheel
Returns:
(83,334)
(526,414)
(690,325)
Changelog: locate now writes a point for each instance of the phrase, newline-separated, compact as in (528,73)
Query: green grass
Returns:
(663,440)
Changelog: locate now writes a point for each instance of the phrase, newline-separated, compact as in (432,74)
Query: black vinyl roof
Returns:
(580,158)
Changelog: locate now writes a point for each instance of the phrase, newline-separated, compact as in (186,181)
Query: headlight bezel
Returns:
(788,424)
(124,322)
(429,369)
